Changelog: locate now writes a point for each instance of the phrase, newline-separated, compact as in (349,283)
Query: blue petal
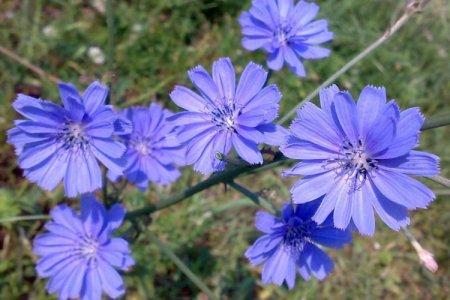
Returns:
(247,149)
(115,216)
(331,237)
(415,163)
(204,83)
(274,135)
(312,187)
(275,59)
(371,103)
(345,109)
(301,149)
(264,221)
(329,201)
(393,215)
(111,281)
(313,125)
(94,96)
(250,83)
(317,261)
(294,63)
(402,189)
(187,99)
(39,110)
(407,135)
(362,210)
(343,207)
(383,132)
(224,76)
(92,287)
(93,215)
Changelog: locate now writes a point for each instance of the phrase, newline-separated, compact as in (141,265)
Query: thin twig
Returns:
(181,265)
(441,180)
(24,218)
(257,199)
(412,8)
(222,177)
(111,50)
(24,62)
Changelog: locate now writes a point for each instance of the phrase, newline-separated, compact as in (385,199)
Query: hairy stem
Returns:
(412,8)
(181,265)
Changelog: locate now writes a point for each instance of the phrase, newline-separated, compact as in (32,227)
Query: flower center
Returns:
(73,136)
(88,248)
(297,233)
(141,146)
(224,116)
(356,164)
(282,34)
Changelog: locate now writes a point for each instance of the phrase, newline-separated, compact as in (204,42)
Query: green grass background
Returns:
(156,42)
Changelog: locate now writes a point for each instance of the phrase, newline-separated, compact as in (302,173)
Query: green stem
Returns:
(253,196)
(412,8)
(437,121)
(222,177)
(24,218)
(111,49)
(181,265)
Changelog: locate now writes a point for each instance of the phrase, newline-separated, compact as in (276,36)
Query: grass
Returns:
(156,42)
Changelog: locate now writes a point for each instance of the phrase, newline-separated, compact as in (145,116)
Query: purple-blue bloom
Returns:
(55,143)
(290,244)
(359,157)
(223,116)
(286,32)
(153,151)
(78,253)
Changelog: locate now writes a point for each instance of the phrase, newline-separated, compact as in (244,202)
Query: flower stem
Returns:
(181,265)
(27,64)
(111,49)
(24,218)
(437,121)
(253,196)
(222,177)
(441,180)
(412,7)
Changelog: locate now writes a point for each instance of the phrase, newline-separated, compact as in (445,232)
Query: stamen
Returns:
(354,163)
(73,137)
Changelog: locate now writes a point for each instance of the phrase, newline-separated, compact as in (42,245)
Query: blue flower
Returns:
(289,245)
(153,151)
(286,32)
(359,157)
(78,254)
(57,143)
(224,116)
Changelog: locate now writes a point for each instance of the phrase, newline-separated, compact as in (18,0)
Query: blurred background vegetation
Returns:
(156,42)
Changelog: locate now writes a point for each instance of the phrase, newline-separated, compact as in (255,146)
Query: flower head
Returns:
(286,32)
(153,151)
(225,116)
(78,254)
(359,156)
(57,143)
(289,245)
